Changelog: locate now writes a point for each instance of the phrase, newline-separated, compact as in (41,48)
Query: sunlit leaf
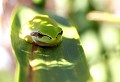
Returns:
(63,63)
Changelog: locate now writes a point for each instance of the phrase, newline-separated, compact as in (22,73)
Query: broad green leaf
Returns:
(63,63)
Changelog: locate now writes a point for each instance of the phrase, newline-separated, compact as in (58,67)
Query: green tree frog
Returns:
(42,30)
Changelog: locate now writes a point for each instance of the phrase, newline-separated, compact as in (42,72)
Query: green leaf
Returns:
(63,63)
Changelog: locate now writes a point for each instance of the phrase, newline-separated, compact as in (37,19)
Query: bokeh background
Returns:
(97,22)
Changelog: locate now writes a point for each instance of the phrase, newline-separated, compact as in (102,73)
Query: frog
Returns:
(42,30)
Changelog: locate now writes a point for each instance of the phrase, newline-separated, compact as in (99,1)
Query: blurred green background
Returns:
(97,22)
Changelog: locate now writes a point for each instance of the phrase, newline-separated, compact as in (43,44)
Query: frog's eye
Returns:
(40,35)
(60,33)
